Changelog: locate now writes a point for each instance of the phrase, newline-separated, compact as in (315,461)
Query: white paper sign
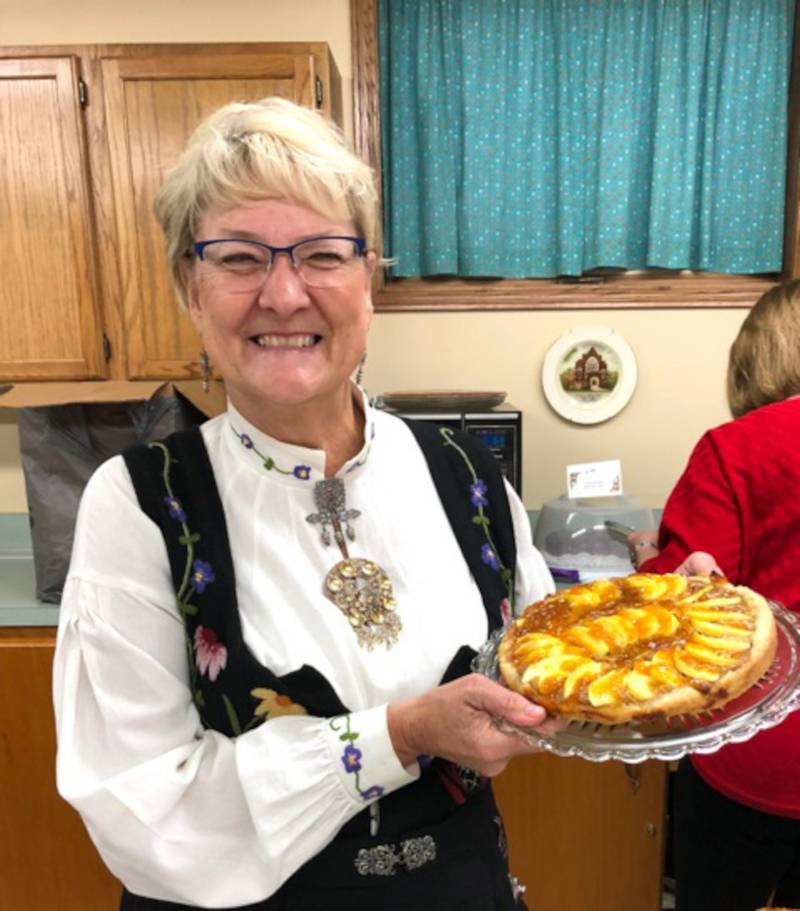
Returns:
(594,479)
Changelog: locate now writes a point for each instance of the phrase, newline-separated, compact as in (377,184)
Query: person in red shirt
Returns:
(737,811)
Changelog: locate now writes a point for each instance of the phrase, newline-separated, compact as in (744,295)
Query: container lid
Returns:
(571,534)
(599,505)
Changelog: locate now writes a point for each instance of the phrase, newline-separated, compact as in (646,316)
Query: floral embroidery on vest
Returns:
(478,498)
(273,705)
(211,656)
(207,655)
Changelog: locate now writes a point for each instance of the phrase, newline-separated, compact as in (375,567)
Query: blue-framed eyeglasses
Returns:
(242,265)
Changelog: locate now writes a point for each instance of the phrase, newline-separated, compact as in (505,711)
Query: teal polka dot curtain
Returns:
(537,138)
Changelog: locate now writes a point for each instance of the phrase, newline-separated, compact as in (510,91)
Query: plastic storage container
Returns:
(575,543)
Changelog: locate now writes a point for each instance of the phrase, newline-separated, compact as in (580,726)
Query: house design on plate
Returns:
(589,373)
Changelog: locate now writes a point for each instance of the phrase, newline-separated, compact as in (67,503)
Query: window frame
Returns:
(641,291)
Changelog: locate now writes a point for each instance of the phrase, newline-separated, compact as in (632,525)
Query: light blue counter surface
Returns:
(18,604)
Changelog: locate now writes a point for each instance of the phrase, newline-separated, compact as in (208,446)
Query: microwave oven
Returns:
(500,428)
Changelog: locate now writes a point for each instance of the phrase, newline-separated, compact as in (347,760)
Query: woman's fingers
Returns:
(552,725)
(457,721)
(504,703)
(699,563)
(496,746)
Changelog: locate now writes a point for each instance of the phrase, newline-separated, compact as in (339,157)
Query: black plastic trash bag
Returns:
(61,446)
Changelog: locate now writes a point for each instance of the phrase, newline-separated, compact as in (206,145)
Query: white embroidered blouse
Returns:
(188,815)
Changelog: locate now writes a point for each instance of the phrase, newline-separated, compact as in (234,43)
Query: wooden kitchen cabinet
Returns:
(86,291)
(152,105)
(49,314)
(47,860)
(585,836)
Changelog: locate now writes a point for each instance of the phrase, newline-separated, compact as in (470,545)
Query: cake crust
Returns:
(644,647)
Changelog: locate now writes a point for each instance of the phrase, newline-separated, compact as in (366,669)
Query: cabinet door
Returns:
(46,857)
(585,836)
(49,323)
(152,105)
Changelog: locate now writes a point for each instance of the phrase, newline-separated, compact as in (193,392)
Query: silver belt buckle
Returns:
(384,860)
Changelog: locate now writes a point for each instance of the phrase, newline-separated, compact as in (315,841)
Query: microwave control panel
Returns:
(503,441)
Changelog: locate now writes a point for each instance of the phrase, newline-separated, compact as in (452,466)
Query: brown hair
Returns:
(764,362)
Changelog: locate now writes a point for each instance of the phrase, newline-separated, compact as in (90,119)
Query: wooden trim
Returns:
(166,49)
(196,66)
(39,636)
(303,72)
(367,129)
(648,291)
(366,98)
(102,186)
(328,71)
(641,292)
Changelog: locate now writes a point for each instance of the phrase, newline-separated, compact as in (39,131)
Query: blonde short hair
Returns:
(269,149)
(764,363)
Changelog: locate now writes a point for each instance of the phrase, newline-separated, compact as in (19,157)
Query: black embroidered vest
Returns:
(175,485)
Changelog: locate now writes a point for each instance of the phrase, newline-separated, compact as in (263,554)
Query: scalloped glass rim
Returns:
(763,706)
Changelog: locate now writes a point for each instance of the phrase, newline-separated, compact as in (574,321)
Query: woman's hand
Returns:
(643,545)
(699,563)
(455,722)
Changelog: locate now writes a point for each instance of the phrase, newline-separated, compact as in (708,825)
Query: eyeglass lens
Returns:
(242,265)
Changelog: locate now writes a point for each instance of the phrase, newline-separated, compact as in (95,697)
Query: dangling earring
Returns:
(205,368)
(360,370)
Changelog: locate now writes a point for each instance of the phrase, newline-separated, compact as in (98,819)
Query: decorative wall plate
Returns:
(589,374)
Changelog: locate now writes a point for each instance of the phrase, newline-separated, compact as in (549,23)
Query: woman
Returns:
(737,811)
(262,686)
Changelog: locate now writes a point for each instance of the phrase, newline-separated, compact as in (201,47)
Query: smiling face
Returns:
(284,345)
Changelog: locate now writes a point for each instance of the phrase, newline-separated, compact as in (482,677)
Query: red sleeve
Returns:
(701,514)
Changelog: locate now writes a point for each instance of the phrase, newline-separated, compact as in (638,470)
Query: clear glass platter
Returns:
(764,705)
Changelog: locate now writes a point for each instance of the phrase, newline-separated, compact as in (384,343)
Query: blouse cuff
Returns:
(365,760)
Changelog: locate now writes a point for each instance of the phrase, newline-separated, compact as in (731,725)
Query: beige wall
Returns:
(150,21)
(681,354)
(98,21)
(681,358)
(12,486)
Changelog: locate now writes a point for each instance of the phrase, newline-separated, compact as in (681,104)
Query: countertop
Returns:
(18,603)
